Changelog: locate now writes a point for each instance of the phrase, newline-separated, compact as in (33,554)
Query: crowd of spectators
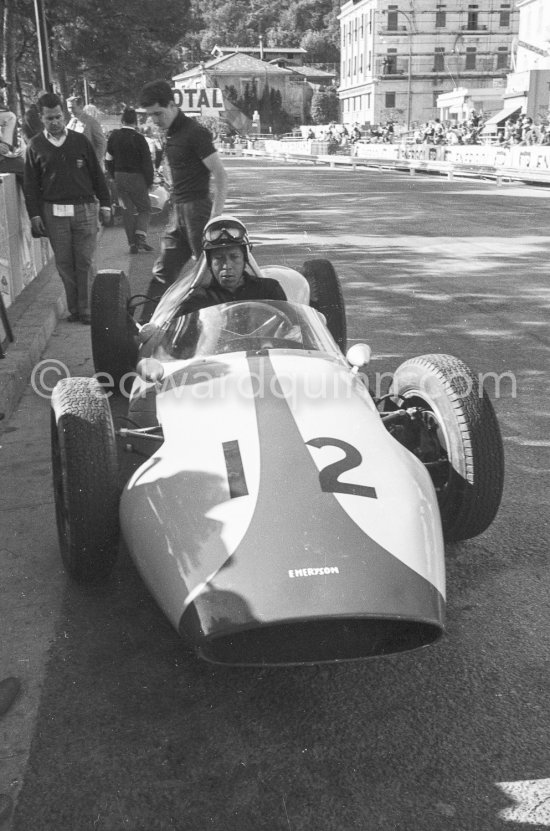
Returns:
(521,130)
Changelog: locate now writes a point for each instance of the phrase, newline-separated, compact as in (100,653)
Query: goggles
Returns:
(226,233)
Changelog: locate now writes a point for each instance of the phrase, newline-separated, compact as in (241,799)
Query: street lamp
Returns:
(409,80)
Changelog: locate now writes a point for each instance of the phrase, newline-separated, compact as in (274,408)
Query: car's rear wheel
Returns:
(463,447)
(326,296)
(85,478)
(114,348)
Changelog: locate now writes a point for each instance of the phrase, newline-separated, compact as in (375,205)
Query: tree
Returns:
(19,52)
(325,106)
(266,107)
(120,46)
(302,16)
(7,70)
(319,48)
(281,121)
(117,47)
(245,20)
(249,102)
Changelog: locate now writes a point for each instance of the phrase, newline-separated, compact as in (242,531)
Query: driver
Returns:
(226,247)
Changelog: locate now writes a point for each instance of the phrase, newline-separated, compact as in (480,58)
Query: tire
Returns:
(114,348)
(85,479)
(326,296)
(470,476)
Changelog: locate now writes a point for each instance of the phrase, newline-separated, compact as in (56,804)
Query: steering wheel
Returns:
(277,318)
(254,344)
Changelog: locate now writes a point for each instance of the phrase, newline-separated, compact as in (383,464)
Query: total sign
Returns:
(199,100)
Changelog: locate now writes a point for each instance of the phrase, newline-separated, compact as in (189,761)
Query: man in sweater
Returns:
(129,162)
(63,181)
(193,162)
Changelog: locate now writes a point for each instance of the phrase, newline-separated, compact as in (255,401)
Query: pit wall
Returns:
(22,258)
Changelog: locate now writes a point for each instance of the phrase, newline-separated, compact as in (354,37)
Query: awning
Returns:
(501,116)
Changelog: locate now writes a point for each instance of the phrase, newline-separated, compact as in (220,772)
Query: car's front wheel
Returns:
(114,348)
(85,478)
(461,443)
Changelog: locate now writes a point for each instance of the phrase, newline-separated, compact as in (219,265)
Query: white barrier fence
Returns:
(529,163)
(21,257)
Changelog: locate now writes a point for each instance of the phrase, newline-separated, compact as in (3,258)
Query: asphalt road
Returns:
(118,727)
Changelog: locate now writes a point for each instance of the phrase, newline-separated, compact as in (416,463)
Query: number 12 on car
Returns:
(329,476)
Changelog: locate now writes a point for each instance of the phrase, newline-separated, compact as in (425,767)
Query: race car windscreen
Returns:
(246,325)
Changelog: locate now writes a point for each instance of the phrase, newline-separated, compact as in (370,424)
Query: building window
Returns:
(393,16)
(360,64)
(439,59)
(436,93)
(390,100)
(390,62)
(503,57)
(473,15)
(368,100)
(505,15)
(355,65)
(440,17)
(470,58)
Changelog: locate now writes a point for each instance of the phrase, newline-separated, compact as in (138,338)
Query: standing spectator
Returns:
(193,160)
(63,181)
(155,145)
(11,160)
(83,122)
(129,162)
(31,122)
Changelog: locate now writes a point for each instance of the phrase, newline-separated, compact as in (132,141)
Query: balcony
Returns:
(395,30)
(394,68)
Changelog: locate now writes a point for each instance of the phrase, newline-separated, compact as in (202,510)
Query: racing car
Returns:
(281,513)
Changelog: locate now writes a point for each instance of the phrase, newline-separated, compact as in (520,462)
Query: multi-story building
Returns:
(398,58)
(528,86)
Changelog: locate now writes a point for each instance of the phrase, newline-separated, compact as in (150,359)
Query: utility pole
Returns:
(43,46)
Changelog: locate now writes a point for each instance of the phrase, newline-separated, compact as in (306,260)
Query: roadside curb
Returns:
(33,317)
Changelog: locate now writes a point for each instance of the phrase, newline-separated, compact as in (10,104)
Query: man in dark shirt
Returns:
(193,161)
(128,161)
(226,245)
(63,181)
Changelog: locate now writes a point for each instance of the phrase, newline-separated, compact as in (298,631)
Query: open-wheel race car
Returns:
(281,512)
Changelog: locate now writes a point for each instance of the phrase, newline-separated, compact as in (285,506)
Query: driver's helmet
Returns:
(222,231)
